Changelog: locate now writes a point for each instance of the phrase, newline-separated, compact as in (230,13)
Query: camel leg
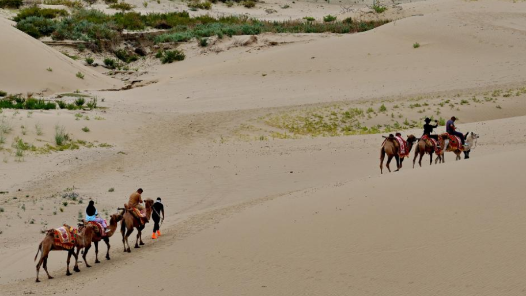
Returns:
(382,157)
(76,267)
(140,236)
(128,233)
(40,261)
(107,241)
(420,159)
(389,158)
(401,161)
(137,240)
(430,158)
(123,237)
(96,252)
(68,273)
(45,268)
(86,249)
(397,158)
(414,158)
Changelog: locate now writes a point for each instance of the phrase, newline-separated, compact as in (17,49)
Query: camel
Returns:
(471,139)
(421,149)
(97,237)
(84,237)
(129,222)
(391,147)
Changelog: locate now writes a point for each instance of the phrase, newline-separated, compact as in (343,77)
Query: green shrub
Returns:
(92,104)
(85,129)
(48,13)
(309,18)
(170,56)
(36,26)
(61,104)
(203,42)
(207,5)
(347,20)
(249,3)
(11,3)
(110,63)
(125,56)
(15,102)
(89,60)
(121,6)
(80,102)
(416,45)
(3,93)
(382,108)
(379,8)
(60,135)
(79,75)
(329,18)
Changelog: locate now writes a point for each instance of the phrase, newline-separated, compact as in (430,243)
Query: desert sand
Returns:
(254,209)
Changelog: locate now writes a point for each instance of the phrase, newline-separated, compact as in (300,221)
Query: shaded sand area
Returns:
(249,213)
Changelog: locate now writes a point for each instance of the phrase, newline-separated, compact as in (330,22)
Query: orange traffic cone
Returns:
(158,233)
(153,236)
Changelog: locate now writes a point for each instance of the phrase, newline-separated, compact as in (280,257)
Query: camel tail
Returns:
(38,251)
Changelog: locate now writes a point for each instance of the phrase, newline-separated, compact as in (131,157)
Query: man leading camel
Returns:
(136,202)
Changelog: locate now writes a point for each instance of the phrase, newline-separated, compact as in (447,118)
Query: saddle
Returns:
(403,152)
(454,142)
(432,143)
(65,237)
(98,228)
(141,216)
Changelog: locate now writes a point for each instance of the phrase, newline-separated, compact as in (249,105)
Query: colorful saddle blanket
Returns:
(65,237)
(454,143)
(101,229)
(432,142)
(404,151)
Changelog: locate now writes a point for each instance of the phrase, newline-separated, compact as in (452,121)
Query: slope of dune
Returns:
(458,50)
(25,64)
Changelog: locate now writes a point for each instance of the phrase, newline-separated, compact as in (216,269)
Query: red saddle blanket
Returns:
(99,227)
(65,237)
(454,143)
(432,142)
(404,152)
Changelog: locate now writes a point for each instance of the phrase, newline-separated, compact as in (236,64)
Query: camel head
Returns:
(474,136)
(114,218)
(411,139)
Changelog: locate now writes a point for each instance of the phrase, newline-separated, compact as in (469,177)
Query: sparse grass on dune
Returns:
(99,28)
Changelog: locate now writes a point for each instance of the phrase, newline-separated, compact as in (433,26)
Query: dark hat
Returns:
(453,118)
(159,199)
(427,119)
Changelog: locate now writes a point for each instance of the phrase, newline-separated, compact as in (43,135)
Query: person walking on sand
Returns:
(158,208)
(91,215)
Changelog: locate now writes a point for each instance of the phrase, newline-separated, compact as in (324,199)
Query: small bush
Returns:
(61,104)
(80,102)
(36,26)
(249,3)
(416,45)
(110,63)
(89,60)
(329,18)
(3,93)
(48,13)
(203,42)
(111,189)
(123,6)
(309,18)
(125,56)
(79,75)
(85,129)
(207,5)
(171,56)
(382,108)
(379,8)
(11,3)
(60,135)
(92,104)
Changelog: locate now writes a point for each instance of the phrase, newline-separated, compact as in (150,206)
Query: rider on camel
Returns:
(428,129)
(452,130)
(136,202)
(91,215)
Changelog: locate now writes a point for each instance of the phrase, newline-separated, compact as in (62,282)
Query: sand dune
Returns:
(307,216)
(25,61)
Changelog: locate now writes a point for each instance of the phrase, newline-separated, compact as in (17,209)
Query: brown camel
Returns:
(129,222)
(470,142)
(97,237)
(391,147)
(84,237)
(422,147)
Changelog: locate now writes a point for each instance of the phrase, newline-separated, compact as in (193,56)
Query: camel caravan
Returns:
(394,146)
(94,229)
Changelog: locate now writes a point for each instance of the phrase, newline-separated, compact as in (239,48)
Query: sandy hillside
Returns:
(25,64)
(252,213)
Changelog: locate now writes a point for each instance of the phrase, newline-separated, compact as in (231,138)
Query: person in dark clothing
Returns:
(428,128)
(158,209)
(452,129)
